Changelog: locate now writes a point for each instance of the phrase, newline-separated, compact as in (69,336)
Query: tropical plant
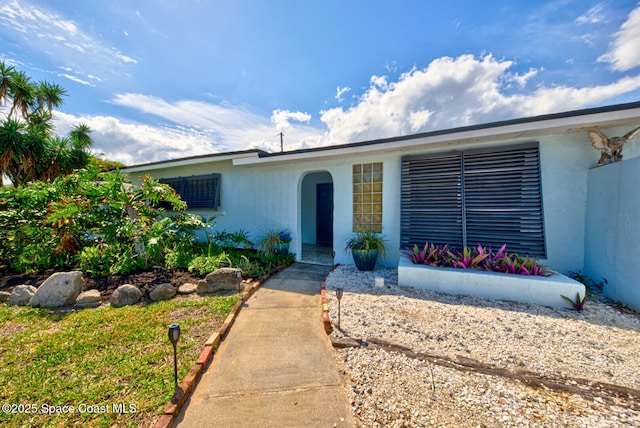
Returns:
(477,258)
(238,239)
(578,303)
(595,287)
(469,259)
(366,241)
(22,92)
(44,225)
(206,264)
(275,241)
(28,148)
(6,73)
(49,95)
(430,254)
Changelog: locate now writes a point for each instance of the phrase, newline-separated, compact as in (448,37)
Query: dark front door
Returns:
(324,214)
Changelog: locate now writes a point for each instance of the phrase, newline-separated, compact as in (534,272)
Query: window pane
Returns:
(367,197)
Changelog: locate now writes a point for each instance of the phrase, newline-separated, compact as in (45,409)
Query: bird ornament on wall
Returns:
(610,148)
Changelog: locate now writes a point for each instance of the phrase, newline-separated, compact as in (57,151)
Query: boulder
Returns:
(21,295)
(4,296)
(163,292)
(60,289)
(223,279)
(89,299)
(125,295)
(187,288)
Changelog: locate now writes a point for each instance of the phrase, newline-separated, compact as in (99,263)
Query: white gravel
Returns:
(392,389)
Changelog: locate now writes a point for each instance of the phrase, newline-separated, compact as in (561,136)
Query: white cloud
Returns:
(281,118)
(132,143)
(59,38)
(592,16)
(450,93)
(624,50)
(522,79)
(126,58)
(191,128)
(75,79)
(340,92)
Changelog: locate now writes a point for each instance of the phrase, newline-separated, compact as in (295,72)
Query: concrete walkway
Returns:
(276,367)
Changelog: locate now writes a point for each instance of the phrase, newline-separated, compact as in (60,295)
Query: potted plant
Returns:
(365,247)
(275,242)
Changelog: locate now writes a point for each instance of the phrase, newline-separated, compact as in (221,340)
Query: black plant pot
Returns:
(365,259)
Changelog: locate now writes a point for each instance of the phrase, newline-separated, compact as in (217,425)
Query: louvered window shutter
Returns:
(198,191)
(431,200)
(499,195)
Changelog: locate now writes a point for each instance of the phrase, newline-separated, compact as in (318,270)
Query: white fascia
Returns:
(528,129)
(190,161)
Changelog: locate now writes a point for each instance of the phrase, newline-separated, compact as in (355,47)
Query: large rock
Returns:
(21,295)
(125,295)
(4,296)
(163,292)
(223,279)
(60,289)
(88,299)
(187,288)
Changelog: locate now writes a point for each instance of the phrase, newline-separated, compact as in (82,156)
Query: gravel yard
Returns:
(438,360)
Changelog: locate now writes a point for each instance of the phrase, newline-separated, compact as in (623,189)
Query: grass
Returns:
(104,360)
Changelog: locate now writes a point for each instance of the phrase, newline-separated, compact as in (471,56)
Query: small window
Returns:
(367,197)
(198,191)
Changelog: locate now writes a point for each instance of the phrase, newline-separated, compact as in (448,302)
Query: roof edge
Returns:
(200,158)
(483,126)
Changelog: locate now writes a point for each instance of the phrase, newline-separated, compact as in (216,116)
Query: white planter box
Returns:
(541,290)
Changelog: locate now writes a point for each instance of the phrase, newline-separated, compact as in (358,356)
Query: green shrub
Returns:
(206,264)
(56,224)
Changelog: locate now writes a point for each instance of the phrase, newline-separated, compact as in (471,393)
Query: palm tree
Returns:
(12,146)
(6,74)
(58,159)
(22,92)
(80,137)
(24,149)
(49,94)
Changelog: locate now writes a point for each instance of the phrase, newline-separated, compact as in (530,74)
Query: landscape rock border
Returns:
(64,290)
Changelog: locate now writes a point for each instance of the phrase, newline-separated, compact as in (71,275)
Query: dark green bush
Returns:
(99,223)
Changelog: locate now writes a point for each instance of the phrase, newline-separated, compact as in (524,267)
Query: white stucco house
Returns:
(530,183)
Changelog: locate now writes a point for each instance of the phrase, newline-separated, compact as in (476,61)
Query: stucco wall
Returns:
(274,195)
(612,230)
(564,162)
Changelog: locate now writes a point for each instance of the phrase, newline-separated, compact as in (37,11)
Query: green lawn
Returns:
(101,362)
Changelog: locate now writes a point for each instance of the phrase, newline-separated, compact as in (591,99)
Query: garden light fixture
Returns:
(174,336)
(339,294)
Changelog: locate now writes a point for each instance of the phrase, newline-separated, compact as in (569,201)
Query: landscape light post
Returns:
(339,294)
(174,336)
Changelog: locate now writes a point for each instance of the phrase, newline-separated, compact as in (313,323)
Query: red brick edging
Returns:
(325,306)
(173,407)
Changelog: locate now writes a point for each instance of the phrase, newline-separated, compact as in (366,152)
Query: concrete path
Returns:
(276,367)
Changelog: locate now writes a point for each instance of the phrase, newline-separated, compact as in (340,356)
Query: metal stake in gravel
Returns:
(339,294)
(174,336)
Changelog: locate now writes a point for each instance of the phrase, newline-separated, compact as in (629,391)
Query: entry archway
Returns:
(316,206)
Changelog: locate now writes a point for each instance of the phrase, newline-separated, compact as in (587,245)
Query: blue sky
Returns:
(167,79)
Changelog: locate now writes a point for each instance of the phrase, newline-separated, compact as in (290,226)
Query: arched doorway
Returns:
(316,208)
